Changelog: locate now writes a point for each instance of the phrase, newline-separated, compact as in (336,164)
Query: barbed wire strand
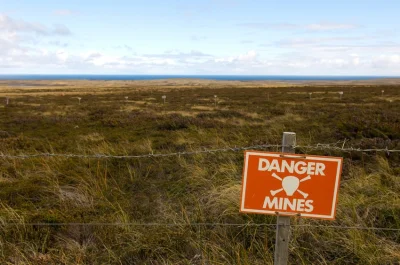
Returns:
(202,224)
(348,149)
(142,156)
(204,151)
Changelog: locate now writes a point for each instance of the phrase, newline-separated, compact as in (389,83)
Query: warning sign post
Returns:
(286,184)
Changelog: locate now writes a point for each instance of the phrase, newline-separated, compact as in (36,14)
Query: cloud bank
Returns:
(30,47)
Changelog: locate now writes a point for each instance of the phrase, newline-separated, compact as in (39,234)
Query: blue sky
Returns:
(268,37)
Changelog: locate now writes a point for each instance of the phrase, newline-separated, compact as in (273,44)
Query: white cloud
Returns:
(176,54)
(367,45)
(386,61)
(246,57)
(249,56)
(10,25)
(22,44)
(296,42)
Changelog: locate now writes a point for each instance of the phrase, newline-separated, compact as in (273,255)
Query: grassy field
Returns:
(44,116)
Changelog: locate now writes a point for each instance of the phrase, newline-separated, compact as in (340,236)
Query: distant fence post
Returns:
(283,222)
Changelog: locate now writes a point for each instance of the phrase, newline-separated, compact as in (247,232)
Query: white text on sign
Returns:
(299,167)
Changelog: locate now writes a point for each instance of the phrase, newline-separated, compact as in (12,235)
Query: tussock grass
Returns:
(186,190)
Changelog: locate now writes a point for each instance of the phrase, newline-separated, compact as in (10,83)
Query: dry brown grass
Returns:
(187,189)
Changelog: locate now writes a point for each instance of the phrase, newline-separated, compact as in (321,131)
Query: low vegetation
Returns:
(158,202)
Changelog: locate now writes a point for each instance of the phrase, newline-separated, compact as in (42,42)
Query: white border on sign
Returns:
(334,201)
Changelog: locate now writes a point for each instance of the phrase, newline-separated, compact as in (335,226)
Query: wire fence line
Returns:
(319,146)
(204,224)
(347,149)
(202,151)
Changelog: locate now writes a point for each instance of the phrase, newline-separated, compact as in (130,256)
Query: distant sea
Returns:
(210,77)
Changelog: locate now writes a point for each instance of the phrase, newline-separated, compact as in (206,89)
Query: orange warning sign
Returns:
(290,184)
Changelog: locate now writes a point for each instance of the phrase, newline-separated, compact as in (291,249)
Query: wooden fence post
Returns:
(283,222)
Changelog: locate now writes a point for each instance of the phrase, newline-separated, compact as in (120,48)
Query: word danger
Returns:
(299,167)
(300,205)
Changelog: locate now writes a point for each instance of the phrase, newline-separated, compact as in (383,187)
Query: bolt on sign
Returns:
(288,184)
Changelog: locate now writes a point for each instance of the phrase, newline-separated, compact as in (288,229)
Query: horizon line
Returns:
(205,75)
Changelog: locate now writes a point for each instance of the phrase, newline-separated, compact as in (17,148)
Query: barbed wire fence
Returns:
(319,146)
(201,151)
(201,224)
